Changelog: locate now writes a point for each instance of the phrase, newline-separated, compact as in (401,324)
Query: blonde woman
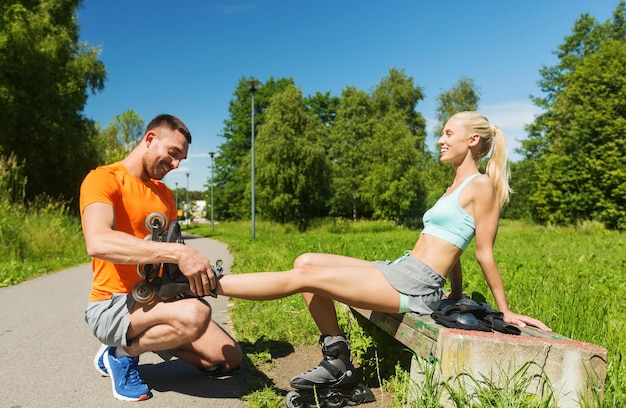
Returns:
(469,208)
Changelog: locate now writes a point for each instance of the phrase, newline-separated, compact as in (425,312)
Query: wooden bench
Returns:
(573,368)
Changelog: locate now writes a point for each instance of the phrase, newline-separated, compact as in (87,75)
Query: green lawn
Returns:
(569,278)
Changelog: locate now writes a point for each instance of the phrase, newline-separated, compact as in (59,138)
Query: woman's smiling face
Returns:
(454,141)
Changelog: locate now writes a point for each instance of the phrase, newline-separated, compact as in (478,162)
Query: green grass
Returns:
(571,278)
(568,277)
(37,238)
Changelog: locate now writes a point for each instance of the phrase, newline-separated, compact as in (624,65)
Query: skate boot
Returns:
(145,291)
(166,280)
(334,383)
(173,284)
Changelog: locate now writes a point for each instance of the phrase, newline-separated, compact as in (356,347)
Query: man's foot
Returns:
(98,361)
(217,371)
(127,385)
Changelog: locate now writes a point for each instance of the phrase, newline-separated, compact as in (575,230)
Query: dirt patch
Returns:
(304,358)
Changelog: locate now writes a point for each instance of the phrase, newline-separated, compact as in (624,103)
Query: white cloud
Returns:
(512,117)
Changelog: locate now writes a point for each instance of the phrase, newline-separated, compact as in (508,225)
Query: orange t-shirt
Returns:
(132,200)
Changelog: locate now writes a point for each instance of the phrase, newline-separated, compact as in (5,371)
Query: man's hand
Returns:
(197,269)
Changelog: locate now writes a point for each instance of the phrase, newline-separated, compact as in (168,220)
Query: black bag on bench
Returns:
(469,315)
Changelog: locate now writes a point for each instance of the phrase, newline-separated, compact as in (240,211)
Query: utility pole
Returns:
(253,85)
(212,219)
(188,205)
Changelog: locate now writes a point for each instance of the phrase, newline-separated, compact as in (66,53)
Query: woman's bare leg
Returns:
(322,308)
(324,277)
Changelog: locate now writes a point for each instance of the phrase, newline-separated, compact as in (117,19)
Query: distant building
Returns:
(198,208)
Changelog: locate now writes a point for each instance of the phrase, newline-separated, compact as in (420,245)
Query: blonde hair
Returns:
(491,139)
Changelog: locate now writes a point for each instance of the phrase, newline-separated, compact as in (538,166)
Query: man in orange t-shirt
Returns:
(115,201)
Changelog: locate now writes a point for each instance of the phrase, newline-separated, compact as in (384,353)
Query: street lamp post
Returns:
(188,206)
(176,200)
(212,220)
(253,85)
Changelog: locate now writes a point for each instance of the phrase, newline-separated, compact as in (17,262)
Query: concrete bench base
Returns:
(466,357)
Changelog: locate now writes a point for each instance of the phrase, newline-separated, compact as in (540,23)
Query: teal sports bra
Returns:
(447,220)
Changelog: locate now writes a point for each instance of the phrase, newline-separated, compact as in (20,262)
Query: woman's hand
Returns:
(522,321)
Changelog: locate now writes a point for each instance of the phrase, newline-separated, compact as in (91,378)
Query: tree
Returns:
(44,77)
(120,137)
(522,186)
(396,92)
(352,126)
(583,176)
(324,106)
(573,149)
(376,148)
(463,96)
(232,173)
(293,180)
(393,184)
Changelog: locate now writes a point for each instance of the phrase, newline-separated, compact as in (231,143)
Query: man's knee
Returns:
(194,315)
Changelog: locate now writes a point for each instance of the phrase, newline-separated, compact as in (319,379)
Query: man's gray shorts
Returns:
(108,319)
(412,277)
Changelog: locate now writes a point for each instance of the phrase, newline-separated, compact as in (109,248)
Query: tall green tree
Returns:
(573,147)
(376,149)
(393,185)
(45,75)
(395,151)
(397,92)
(353,125)
(583,176)
(293,174)
(231,173)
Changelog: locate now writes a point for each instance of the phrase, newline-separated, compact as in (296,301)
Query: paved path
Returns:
(46,349)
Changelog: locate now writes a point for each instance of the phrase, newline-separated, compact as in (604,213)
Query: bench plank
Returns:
(419,335)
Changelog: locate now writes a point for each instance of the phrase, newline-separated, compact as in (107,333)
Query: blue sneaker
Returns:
(127,385)
(98,361)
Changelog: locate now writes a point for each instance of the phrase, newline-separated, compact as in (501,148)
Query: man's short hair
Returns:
(171,122)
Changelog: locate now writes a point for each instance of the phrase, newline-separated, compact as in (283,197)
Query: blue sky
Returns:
(186,57)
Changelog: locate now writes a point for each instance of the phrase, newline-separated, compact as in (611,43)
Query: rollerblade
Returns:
(334,383)
(165,280)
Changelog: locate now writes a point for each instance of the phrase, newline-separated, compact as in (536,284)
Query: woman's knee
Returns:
(304,260)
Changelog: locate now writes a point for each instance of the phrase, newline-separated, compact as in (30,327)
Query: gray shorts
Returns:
(108,319)
(415,280)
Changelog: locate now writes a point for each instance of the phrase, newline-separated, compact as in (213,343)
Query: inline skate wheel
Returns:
(143,292)
(335,401)
(293,399)
(146,270)
(156,221)
(360,395)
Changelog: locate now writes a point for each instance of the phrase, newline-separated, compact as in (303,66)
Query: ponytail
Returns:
(491,139)
(498,166)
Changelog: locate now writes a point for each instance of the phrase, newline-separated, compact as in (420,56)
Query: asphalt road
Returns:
(47,349)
